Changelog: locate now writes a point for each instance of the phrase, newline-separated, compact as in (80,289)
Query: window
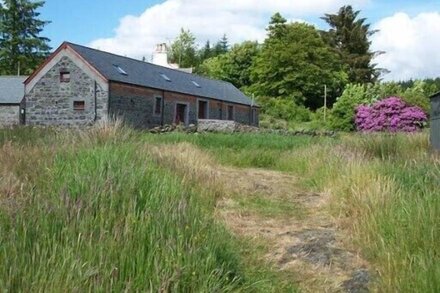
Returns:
(120,70)
(195,83)
(165,77)
(254,116)
(158,106)
(79,105)
(220,111)
(230,112)
(64,76)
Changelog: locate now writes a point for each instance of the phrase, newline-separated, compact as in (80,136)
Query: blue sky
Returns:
(133,27)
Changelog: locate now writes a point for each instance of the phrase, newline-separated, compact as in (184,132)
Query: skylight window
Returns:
(195,83)
(165,77)
(120,70)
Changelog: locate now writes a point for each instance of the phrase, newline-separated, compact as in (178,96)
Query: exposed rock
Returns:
(358,283)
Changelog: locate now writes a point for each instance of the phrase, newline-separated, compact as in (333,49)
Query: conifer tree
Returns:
(349,36)
(22,48)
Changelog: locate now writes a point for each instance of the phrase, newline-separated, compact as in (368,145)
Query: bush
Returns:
(343,112)
(391,114)
(284,108)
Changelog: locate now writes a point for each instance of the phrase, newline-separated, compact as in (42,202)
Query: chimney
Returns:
(160,55)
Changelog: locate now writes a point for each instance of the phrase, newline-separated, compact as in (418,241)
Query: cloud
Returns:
(411,45)
(241,20)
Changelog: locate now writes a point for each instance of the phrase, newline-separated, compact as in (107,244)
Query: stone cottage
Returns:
(78,85)
(11,96)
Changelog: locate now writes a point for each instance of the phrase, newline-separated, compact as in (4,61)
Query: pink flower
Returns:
(390,114)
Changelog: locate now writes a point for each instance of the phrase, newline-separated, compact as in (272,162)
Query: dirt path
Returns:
(270,207)
(310,244)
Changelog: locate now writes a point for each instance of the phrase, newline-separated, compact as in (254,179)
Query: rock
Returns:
(358,283)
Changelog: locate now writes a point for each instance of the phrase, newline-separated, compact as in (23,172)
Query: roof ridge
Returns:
(156,65)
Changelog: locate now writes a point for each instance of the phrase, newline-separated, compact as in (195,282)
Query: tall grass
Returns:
(92,212)
(385,191)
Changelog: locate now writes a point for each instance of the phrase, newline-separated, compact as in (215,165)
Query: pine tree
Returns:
(277,26)
(22,48)
(222,46)
(349,36)
(205,52)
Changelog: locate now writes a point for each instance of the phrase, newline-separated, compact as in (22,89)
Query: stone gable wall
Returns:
(50,102)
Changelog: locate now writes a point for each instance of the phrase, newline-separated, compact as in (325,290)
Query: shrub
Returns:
(284,108)
(391,114)
(343,112)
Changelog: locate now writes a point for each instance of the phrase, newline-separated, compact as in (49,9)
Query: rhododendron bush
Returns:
(390,114)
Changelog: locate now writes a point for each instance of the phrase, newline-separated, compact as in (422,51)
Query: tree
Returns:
(222,46)
(349,36)
(22,48)
(206,52)
(183,50)
(233,66)
(295,62)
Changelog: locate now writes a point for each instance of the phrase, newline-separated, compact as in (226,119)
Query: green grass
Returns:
(94,211)
(102,216)
(243,150)
(385,186)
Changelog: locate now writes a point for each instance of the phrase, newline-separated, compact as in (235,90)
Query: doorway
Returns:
(181,116)
(202,110)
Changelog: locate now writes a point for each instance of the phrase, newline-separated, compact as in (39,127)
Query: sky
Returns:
(408,30)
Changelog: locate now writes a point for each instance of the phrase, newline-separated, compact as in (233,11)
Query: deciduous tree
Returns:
(295,62)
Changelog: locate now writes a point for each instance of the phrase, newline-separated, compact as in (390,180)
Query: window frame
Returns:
(63,79)
(156,97)
(232,113)
(81,108)
(207,108)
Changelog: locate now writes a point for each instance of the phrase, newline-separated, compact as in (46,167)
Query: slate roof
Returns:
(11,89)
(150,75)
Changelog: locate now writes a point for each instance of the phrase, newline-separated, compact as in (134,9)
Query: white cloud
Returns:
(241,20)
(411,45)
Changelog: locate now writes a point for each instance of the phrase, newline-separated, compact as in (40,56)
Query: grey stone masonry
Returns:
(68,103)
(214,125)
(9,115)
(136,111)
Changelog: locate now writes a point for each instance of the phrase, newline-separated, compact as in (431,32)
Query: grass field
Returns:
(97,210)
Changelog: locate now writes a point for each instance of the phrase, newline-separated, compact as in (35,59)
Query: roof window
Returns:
(165,77)
(195,83)
(120,70)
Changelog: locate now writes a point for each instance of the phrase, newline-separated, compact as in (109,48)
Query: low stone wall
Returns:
(226,126)
(212,125)
(9,115)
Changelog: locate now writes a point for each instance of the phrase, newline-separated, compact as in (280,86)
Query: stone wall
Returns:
(9,115)
(215,125)
(135,105)
(51,102)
